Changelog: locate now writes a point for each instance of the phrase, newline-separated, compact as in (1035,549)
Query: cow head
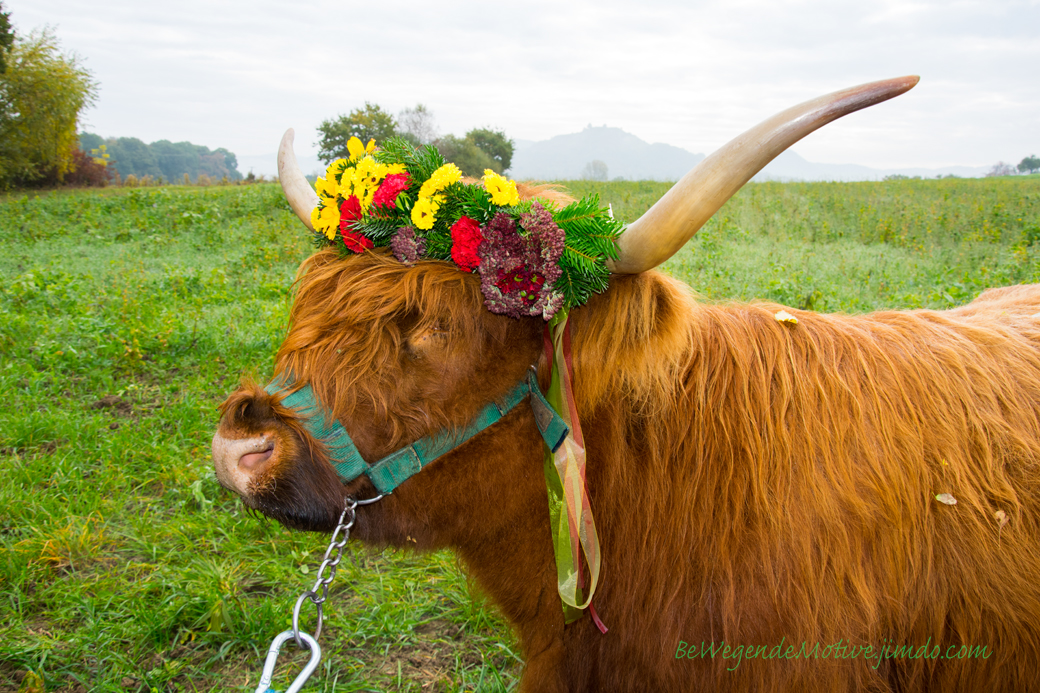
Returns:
(396,353)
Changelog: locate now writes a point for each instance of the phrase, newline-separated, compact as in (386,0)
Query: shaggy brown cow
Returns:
(765,491)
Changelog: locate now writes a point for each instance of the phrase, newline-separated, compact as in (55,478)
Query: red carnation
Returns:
(465,239)
(357,242)
(389,189)
(349,212)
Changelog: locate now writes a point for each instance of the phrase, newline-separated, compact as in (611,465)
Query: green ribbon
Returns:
(570,513)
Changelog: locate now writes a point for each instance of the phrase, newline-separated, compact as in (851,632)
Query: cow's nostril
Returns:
(252,460)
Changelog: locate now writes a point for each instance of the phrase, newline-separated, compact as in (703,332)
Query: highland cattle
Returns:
(842,503)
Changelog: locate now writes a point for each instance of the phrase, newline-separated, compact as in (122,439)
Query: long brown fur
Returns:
(754,483)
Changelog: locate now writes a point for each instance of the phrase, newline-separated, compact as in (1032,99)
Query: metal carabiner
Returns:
(272,658)
(297,633)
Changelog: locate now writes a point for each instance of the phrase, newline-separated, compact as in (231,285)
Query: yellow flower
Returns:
(326,219)
(363,180)
(326,188)
(368,176)
(350,183)
(502,190)
(335,168)
(424,211)
(441,178)
(358,150)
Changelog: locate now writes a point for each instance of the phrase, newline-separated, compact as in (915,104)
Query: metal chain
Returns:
(328,563)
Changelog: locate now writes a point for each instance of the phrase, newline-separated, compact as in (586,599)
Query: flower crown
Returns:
(533,258)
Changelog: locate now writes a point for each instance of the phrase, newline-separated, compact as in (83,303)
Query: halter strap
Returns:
(392,471)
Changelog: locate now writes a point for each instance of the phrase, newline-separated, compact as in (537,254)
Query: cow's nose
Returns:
(254,460)
(238,460)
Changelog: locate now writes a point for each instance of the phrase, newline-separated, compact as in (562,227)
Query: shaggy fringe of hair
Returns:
(361,333)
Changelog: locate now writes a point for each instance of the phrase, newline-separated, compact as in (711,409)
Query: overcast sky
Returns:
(226,73)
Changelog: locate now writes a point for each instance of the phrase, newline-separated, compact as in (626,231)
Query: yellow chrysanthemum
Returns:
(326,188)
(335,168)
(358,150)
(501,189)
(347,183)
(424,212)
(370,175)
(441,178)
(363,180)
(326,219)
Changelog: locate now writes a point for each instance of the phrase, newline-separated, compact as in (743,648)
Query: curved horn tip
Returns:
(890,88)
(287,138)
(297,190)
(911,80)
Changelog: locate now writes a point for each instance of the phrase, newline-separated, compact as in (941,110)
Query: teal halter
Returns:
(392,471)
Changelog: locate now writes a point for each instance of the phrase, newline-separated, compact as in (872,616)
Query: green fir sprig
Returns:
(592,235)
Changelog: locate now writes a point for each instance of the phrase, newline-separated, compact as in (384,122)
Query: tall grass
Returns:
(126,315)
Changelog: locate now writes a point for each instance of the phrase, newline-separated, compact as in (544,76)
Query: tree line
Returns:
(163,159)
(480,149)
(42,93)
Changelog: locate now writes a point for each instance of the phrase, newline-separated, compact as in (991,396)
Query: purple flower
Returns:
(518,269)
(406,246)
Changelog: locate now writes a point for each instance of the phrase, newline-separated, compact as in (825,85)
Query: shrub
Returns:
(87,172)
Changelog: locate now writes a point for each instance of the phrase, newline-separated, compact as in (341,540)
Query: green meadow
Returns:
(127,315)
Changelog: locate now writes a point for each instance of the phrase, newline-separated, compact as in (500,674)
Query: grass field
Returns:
(126,316)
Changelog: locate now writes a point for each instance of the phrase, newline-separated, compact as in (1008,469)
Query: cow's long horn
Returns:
(298,191)
(671,222)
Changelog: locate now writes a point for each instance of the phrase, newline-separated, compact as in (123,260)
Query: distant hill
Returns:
(626,156)
(164,159)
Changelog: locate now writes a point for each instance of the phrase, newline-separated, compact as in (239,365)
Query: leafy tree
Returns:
(229,162)
(131,156)
(6,37)
(90,171)
(174,160)
(171,160)
(370,122)
(595,170)
(495,144)
(470,158)
(88,141)
(42,93)
(1030,164)
(481,149)
(1001,169)
(416,125)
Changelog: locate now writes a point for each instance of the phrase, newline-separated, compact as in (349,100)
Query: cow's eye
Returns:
(428,340)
